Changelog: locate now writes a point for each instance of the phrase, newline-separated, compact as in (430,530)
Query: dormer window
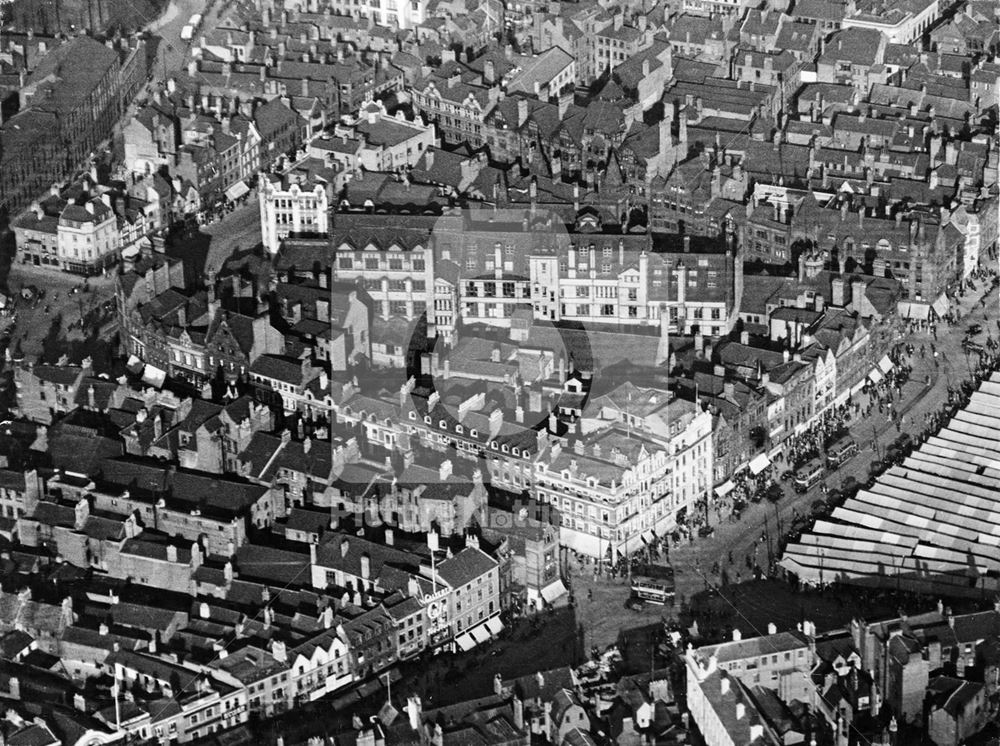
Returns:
(474,433)
(504,448)
(413,415)
(427,419)
(443,425)
(459,429)
(493,445)
(516,452)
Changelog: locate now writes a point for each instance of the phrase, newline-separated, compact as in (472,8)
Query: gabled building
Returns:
(193,701)
(454,100)
(193,337)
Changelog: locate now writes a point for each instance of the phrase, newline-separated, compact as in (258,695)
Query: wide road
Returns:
(603,615)
(35,321)
(692,563)
(237,231)
(172,52)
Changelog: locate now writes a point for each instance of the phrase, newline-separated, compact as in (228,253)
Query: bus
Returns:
(838,453)
(808,475)
(653,583)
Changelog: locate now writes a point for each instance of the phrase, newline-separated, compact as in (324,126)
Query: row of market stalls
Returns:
(932,522)
(912,310)
(880,370)
(923,311)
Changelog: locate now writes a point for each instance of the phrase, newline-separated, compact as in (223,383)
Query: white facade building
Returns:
(88,237)
(287,209)
(901,22)
(645,459)
(399,280)
(403,14)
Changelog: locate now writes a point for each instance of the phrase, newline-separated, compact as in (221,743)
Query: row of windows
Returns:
(393,264)
(507,289)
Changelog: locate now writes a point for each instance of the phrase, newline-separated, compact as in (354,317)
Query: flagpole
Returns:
(118,712)
(628,417)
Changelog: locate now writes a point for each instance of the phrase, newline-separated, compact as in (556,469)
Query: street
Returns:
(756,533)
(172,52)
(692,563)
(237,231)
(35,321)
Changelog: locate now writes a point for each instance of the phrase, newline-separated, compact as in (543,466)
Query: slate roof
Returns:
(465,567)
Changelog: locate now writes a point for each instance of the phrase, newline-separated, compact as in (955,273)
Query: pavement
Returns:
(172,52)
(604,615)
(693,562)
(544,642)
(600,606)
(239,230)
(34,321)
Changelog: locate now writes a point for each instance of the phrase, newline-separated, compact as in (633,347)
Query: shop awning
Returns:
(885,364)
(480,634)
(725,488)
(903,309)
(941,305)
(237,190)
(759,463)
(465,642)
(876,375)
(553,591)
(494,625)
(918,311)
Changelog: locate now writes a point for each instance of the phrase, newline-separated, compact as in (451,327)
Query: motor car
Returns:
(974,329)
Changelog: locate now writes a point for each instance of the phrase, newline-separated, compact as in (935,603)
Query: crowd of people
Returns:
(747,487)
(831,425)
(882,393)
(958,395)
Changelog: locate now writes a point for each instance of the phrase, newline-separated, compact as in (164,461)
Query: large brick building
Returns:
(70,104)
